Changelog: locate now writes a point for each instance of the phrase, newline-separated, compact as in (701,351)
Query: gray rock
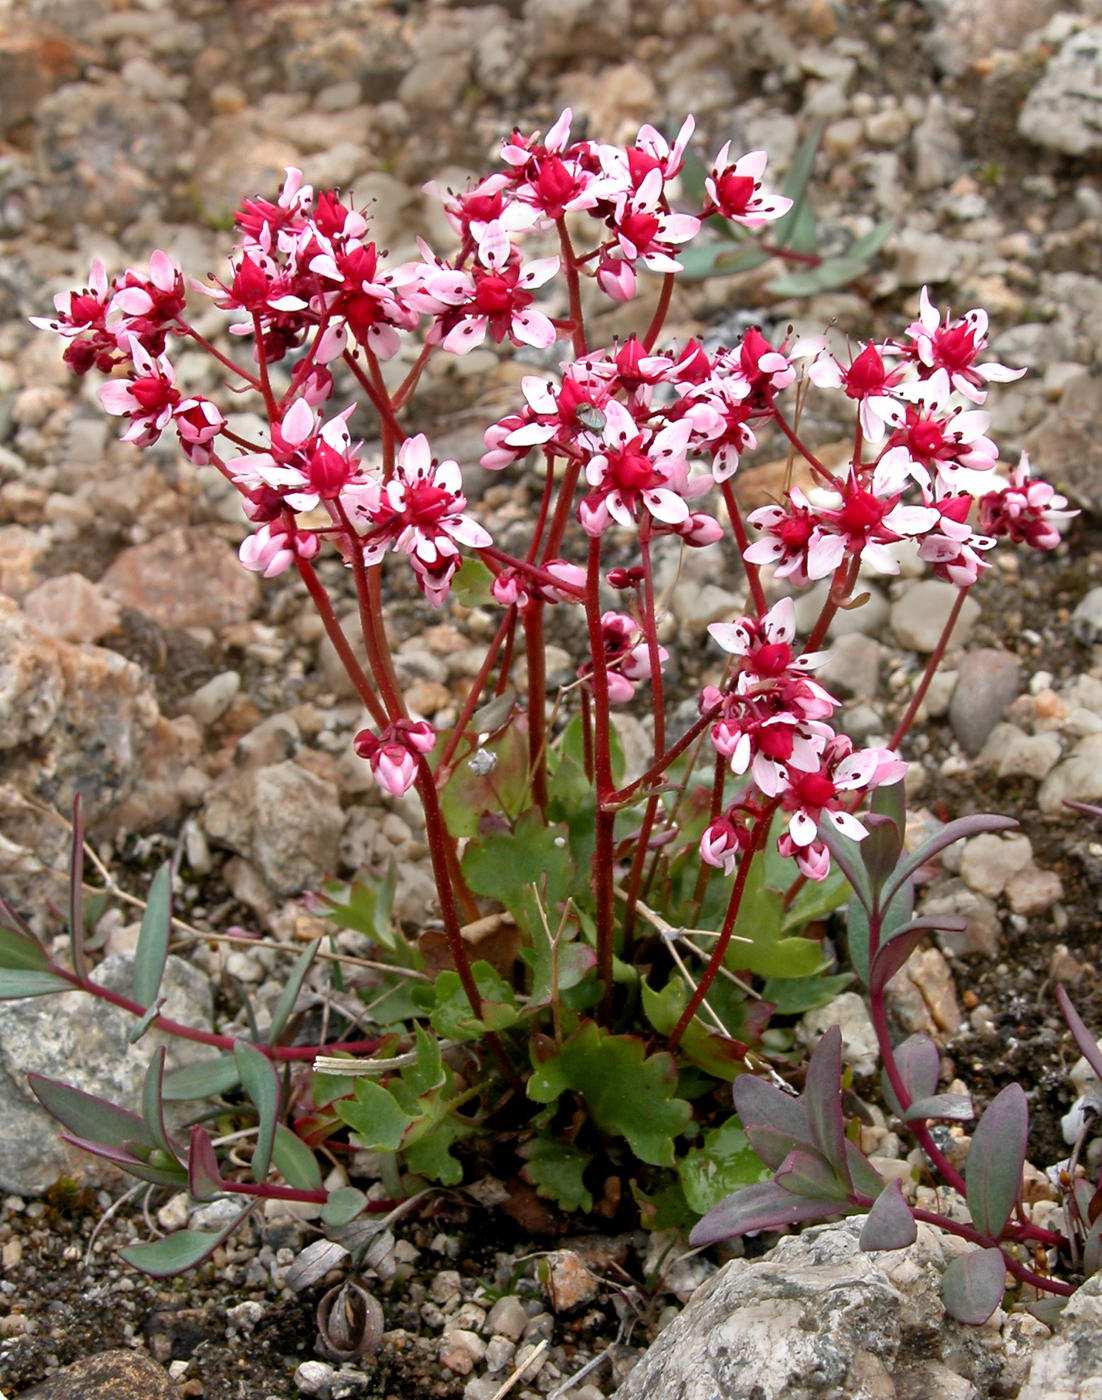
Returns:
(1078,777)
(966,31)
(987,682)
(1062,112)
(1086,620)
(1068,1365)
(981,931)
(937,148)
(106,1376)
(989,860)
(148,577)
(82,1041)
(918,616)
(1066,446)
(210,702)
(1011,751)
(850,1013)
(282,818)
(817,1317)
(853,670)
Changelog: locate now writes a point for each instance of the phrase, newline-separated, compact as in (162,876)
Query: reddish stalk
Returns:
(341,645)
(658,320)
(757,840)
(573,283)
(752,572)
(602,771)
(931,669)
(535,654)
(478,685)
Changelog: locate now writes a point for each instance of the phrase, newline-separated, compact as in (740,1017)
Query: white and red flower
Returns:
(394,754)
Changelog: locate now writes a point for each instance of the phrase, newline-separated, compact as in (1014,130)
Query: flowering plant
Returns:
(743,826)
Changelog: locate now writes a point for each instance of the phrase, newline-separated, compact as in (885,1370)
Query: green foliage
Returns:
(626,1092)
(723,1163)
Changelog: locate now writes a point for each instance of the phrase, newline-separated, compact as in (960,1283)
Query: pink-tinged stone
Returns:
(72,609)
(20,552)
(183,578)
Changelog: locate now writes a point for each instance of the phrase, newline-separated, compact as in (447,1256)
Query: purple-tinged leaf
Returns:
(261,1083)
(10,918)
(822,1097)
(861,926)
(204,1177)
(847,855)
(76,894)
(202,1079)
(889,1224)
(867,1181)
(957,1107)
(890,800)
(891,955)
(153,1105)
(973,1285)
(86,1115)
(919,1062)
(1048,1309)
(343,1206)
(161,1173)
(289,995)
(764,1206)
(152,949)
(184,1250)
(1088,1046)
(808,1175)
(19,982)
(953,831)
(993,1170)
(775,1122)
(880,849)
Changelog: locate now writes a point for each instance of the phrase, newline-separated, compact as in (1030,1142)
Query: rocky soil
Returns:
(189,704)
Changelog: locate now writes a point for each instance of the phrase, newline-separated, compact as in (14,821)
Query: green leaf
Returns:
(87,1116)
(973,1285)
(376,1121)
(722,1164)
(993,1171)
(287,998)
(664,1209)
(364,907)
(427,1071)
(342,1207)
(719,260)
(761,920)
(471,583)
(16,982)
(503,865)
(869,244)
(139,1028)
(200,1080)
(556,1169)
(261,1083)
(792,996)
(817,899)
(452,1016)
(811,1177)
(469,794)
(152,949)
(177,1253)
(796,230)
(721,1056)
(763,1206)
(627,1093)
(427,1150)
(144,1163)
(19,952)
(294,1160)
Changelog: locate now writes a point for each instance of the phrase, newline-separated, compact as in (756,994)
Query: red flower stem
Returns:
(805,452)
(774,251)
(381,404)
(533,571)
(441,853)
(217,354)
(753,573)
(371,622)
(407,386)
(757,840)
(478,685)
(969,1232)
(364,689)
(650,631)
(845,576)
(655,771)
(704,872)
(280,1053)
(265,382)
(587,735)
(602,771)
(545,506)
(561,514)
(658,320)
(928,674)
(573,283)
(534,650)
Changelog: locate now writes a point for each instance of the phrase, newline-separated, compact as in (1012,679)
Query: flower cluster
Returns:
(770,722)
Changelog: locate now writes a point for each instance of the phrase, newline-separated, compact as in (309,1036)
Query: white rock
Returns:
(849,1012)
